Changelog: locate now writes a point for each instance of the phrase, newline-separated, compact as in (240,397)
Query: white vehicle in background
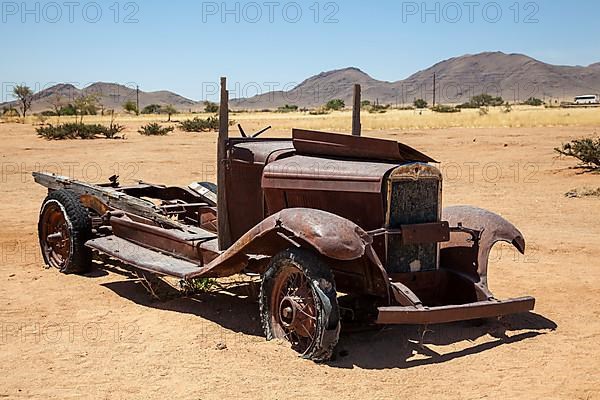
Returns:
(587,99)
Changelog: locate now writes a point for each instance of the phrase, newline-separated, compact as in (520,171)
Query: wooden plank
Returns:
(142,258)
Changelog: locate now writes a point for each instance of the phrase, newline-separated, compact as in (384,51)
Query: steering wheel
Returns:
(257,134)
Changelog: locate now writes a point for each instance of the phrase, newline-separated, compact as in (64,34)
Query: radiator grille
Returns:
(412,202)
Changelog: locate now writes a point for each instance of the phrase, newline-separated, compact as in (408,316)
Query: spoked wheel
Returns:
(299,304)
(63,229)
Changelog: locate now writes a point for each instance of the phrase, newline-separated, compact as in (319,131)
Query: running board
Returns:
(438,315)
(142,258)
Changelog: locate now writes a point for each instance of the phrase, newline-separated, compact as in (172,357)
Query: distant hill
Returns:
(515,77)
(111,96)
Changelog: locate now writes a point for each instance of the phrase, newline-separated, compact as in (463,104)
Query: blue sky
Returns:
(182,46)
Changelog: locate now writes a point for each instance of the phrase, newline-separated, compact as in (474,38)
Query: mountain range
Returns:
(515,77)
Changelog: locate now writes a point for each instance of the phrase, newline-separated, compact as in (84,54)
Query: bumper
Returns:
(412,315)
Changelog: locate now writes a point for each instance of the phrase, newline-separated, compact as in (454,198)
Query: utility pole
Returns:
(356,128)
(137,102)
(434,89)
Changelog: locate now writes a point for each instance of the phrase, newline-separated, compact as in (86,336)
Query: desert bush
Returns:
(483,111)
(200,125)
(379,108)
(533,101)
(79,131)
(152,109)
(320,111)
(586,150)
(287,108)
(198,285)
(154,129)
(440,108)
(507,108)
(365,104)
(69,109)
(420,103)
(335,104)
(483,100)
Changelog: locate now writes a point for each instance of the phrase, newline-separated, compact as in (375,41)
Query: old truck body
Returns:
(319,214)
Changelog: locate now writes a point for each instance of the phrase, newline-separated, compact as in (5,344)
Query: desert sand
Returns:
(101,336)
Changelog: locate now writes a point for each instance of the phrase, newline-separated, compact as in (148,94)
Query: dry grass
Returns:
(519,117)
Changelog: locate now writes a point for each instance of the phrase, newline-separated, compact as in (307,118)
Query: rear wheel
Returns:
(64,227)
(298,304)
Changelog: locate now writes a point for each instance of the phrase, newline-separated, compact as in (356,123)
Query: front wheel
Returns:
(298,303)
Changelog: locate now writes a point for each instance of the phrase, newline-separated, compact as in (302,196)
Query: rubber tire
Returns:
(80,230)
(321,281)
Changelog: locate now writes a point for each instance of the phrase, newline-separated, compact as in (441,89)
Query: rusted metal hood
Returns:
(339,145)
(317,173)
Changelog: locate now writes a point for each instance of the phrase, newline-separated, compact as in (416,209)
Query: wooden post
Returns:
(356,127)
(222,211)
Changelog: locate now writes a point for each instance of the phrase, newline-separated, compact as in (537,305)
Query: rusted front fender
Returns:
(463,253)
(329,234)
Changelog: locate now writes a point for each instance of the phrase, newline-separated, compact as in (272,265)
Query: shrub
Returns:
(483,111)
(69,109)
(507,108)
(200,125)
(365,104)
(154,129)
(79,131)
(379,109)
(288,108)
(420,103)
(335,104)
(533,101)
(586,150)
(152,109)
(319,111)
(440,108)
(483,100)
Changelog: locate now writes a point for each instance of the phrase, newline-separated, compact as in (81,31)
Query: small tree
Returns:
(169,110)
(57,104)
(25,96)
(335,104)
(420,103)
(85,105)
(211,107)
(131,107)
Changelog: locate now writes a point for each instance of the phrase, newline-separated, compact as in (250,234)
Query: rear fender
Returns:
(468,256)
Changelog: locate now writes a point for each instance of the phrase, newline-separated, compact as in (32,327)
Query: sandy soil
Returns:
(100,336)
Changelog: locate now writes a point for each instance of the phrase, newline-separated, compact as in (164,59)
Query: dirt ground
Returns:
(100,336)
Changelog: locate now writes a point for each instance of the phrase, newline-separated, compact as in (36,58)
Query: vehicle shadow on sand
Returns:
(233,309)
(381,348)
(412,346)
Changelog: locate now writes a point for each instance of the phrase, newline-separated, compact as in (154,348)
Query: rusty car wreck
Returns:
(315,216)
